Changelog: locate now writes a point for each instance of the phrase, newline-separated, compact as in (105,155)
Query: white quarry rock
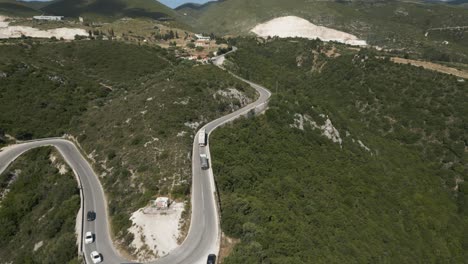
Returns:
(7,31)
(292,26)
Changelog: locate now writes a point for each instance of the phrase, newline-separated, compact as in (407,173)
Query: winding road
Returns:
(204,234)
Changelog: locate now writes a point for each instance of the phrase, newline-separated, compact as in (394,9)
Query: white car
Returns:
(96,257)
(89,238)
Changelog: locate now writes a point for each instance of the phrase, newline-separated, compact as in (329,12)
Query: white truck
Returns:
(202,138)
(204,162)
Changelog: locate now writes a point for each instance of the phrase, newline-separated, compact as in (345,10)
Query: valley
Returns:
(358,156)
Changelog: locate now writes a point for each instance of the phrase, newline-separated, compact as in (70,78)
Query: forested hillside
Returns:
(141,140)
(398,25)
(38,208)
(110,9)
(16,8)
(98,10)
(46,85)
(132,109)
(357,160)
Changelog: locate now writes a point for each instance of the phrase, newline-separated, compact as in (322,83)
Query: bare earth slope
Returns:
(293,26)
(7,31)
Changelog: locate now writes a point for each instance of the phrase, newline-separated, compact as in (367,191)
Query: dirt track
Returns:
(432,66)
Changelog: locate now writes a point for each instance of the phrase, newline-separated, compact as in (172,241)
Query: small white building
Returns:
(202,38)
(49,18)
(162,202)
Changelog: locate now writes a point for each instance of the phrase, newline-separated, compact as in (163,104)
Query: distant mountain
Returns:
(111,9)
(102,9)
(177,3)
(12,7)
(452,2)
(191,5)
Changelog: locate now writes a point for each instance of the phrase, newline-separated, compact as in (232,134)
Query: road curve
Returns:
(93,197)
(204,234)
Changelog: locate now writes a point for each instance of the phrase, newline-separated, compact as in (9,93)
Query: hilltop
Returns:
(111,8)
(12,7)
(106,10)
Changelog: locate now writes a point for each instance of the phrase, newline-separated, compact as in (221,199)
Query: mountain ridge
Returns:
(95,9)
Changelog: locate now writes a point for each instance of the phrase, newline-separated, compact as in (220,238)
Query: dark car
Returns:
(91,215)
(211,259)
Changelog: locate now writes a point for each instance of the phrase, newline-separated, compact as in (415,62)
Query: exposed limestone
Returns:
(327,129)
(292,26)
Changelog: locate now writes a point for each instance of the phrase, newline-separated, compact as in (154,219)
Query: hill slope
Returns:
(39,209)
(103,10)
(111,9)
(357,160)
(134,109)
(391,24)
(15,8)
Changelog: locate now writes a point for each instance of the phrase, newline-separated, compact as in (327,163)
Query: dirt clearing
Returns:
(156,232)
(432,66)
(7,31)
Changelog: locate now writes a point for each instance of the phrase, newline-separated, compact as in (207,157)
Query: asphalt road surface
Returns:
(204,233)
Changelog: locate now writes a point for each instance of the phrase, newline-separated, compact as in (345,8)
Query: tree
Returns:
(78,37)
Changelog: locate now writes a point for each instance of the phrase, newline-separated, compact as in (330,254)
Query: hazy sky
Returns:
(176,3)
(170,3)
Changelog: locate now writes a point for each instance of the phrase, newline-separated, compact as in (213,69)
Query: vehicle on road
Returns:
(89,237)
(96,257)
(202,138)
(91,216)
(195,250)
(204,162)
(211,259)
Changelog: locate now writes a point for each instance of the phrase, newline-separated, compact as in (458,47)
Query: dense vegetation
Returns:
(397,25)
(37,214)
(391,192)
(133,109)
(44,86)
(110,9)
(142,138)
(16,8)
